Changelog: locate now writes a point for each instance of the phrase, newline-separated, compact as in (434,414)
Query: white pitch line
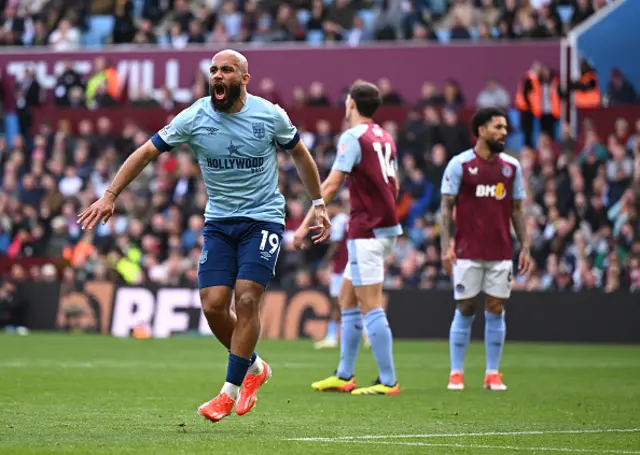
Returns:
(488,447)
(127,364)
(478,434)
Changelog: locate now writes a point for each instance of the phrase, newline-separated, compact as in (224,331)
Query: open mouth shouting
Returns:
(219,91)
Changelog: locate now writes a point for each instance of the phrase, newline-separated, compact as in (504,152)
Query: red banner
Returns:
(406,65)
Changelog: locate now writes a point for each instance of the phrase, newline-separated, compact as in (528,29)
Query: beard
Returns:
(495,147)
(231,95)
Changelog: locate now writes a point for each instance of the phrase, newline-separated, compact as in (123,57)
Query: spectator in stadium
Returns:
(103,87)
(29,95)
(67,80)
(12,307)
(586,90)
(145,33)
(493,95)
(452,134)
(317,97)
(65,37)
(267,90)
(389,96)
(620,91)
(452,95)
(124,28)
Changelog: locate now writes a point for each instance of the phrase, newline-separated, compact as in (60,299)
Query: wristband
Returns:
(109,191)
(317,202)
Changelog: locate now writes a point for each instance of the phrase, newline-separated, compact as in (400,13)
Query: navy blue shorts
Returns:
(239,249)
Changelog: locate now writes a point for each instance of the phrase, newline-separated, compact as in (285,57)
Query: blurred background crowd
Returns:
(71,24)
(583,190)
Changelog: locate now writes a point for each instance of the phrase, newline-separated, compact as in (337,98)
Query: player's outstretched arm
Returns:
(308,172)
(103,208)
(177,132)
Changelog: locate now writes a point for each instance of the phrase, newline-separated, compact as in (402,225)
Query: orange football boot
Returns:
(249,391)
(456,381)
(493,381)
(218,408)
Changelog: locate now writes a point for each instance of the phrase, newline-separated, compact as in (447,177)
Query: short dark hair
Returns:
(366,96)
(484,116)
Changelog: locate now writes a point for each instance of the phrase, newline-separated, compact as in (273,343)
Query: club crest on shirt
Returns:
(507,171)
(258,130)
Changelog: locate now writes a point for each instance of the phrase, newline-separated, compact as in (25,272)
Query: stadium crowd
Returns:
(582,203)
(67,24)
(583,192)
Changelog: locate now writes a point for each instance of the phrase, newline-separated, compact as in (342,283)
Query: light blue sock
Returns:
(381,341)
(494,333)
(350,342)
(459,337)
(332,330)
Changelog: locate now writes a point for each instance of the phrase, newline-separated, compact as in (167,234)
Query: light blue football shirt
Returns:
(237,155)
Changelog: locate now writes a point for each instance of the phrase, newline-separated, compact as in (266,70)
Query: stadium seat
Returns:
(514,119)
(535,131)
(11,127)
(565,12)
(444,35)
(368,17)
(138,8)
(515,141)
(315,37)
(100,29)
(303,17)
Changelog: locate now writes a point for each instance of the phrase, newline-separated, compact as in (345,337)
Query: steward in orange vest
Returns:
(586,91)
(538,96)
(529,96)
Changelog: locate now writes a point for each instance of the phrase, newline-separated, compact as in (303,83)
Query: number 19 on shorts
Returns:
(272,239)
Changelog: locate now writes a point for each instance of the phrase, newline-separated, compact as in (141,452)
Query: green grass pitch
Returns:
(77,394)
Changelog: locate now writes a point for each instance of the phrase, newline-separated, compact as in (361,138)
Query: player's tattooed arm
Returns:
(447,205)
(520,226)
(520,222)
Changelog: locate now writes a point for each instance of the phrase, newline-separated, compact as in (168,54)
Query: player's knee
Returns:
(494,306)
(466,307)
(247,304)
(213,302)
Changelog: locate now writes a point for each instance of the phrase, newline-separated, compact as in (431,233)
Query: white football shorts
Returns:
(491,277)
(336,284)
(366,260)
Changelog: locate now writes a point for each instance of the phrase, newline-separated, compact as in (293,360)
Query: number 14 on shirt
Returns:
(387,165)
